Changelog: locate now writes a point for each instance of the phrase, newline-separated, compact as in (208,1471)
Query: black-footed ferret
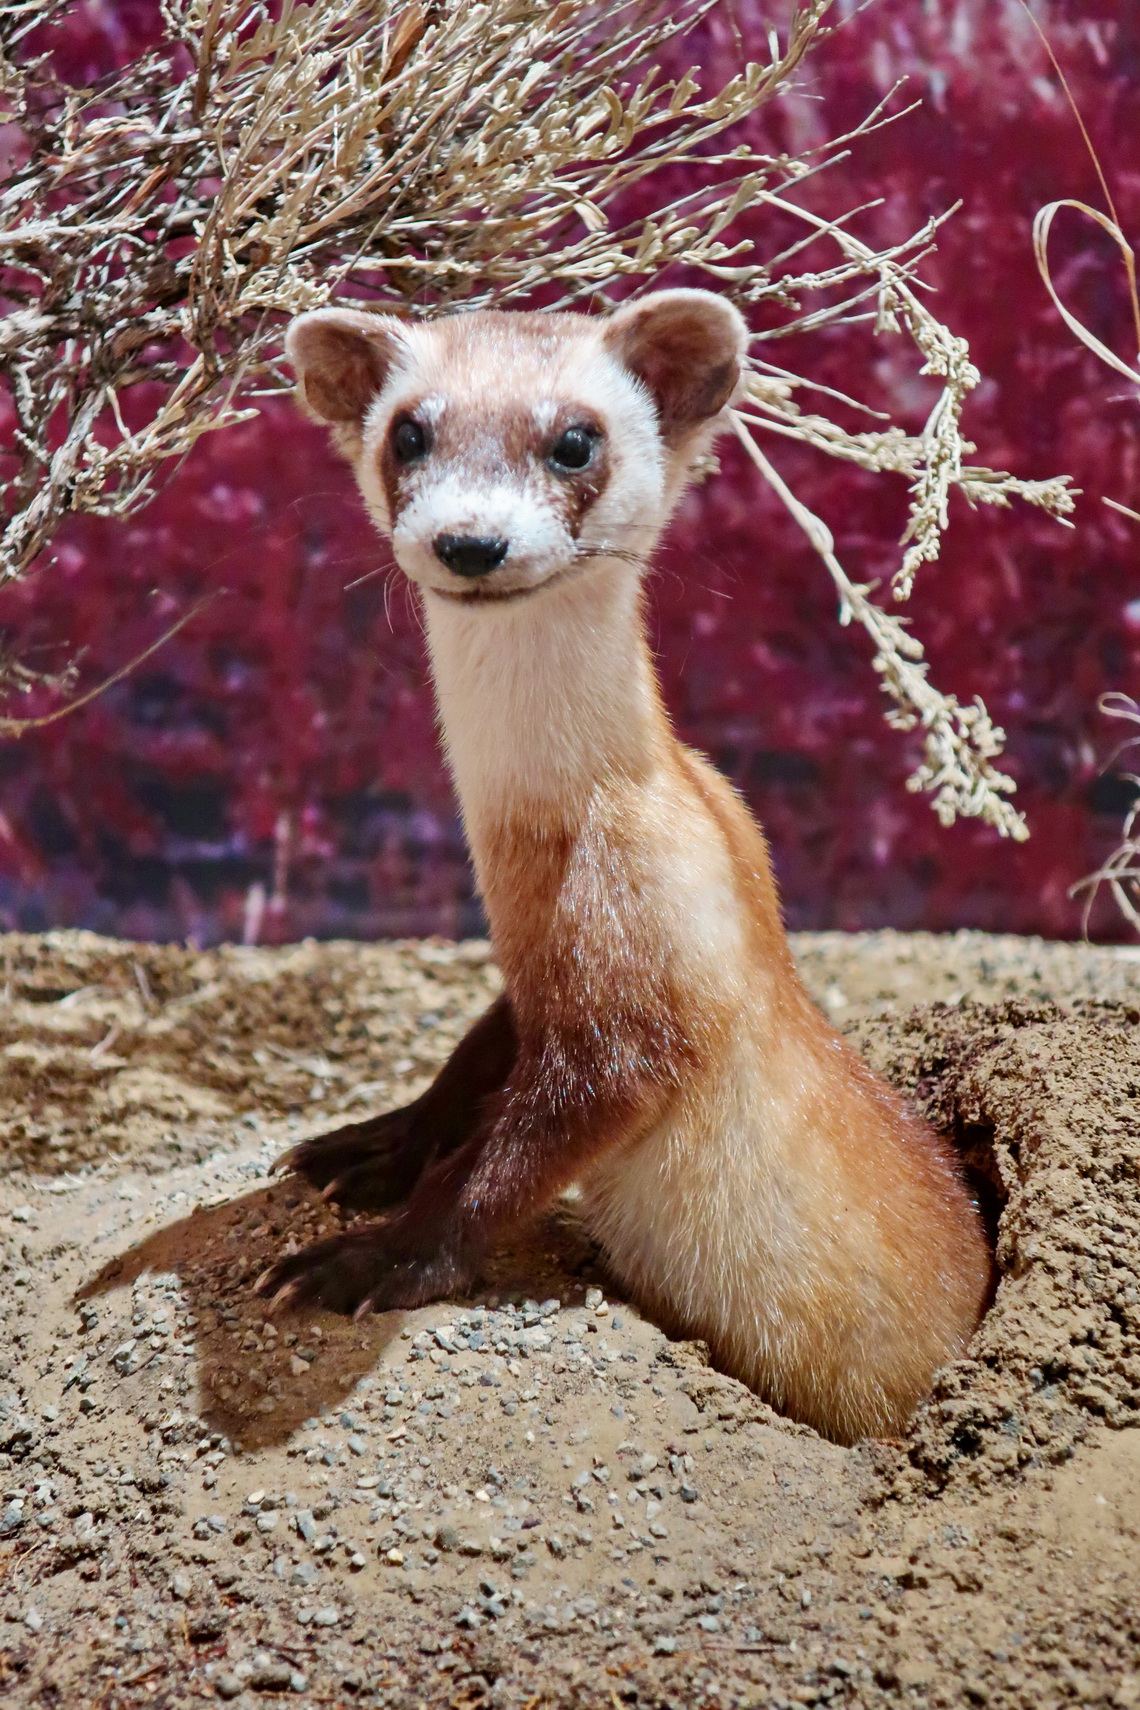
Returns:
(751,1181)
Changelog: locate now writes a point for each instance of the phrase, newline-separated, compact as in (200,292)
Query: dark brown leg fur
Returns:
(370,1165)
(561,1103)
(410,1257)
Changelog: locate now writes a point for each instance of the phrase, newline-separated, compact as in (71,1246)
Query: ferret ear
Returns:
(342,358)
(687,348)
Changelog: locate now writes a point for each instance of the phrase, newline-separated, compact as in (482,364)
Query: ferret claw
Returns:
(365,1165)
(360,1272)
(279,1298)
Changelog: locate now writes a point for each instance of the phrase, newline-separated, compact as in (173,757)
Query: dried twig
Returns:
(18,726)
(935,460)
(1121,872)
(960,742)
(266,160)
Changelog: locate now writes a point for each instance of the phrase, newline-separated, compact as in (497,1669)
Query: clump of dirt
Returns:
(534,1497)
(1044,1101)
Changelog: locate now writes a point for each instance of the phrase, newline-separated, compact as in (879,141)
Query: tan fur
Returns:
(757,1186)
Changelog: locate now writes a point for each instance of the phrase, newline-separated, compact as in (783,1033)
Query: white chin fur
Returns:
(540,546)
(514,576)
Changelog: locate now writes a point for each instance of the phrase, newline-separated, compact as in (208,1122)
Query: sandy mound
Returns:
(533,1497)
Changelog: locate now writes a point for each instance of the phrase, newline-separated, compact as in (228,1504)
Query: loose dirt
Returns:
(533,1497)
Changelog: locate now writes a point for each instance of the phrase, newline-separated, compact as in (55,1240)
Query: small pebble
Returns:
(271,1676)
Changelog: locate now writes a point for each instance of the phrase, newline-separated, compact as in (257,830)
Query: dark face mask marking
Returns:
(568,459)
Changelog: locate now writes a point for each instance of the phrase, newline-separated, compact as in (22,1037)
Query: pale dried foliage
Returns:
(1121,872)
(431,155)
(960,743)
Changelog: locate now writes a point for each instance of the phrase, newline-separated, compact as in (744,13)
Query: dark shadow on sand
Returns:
(259,1397)
(254,1397)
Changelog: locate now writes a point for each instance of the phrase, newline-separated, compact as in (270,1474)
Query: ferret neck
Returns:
(543,699)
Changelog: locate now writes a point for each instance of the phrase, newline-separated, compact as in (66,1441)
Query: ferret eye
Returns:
(409,441)
(575,448)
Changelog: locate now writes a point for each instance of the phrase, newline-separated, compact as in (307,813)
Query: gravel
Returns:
(533,1491)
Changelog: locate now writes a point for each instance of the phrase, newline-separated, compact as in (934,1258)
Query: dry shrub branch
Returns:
(428,155)
(1121,871)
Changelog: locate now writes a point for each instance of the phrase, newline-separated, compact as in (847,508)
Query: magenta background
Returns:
(294,704)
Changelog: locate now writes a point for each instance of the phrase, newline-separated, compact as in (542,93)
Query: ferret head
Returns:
(501,452)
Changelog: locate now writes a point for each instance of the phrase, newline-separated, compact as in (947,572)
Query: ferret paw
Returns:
(359,1272)
(364,1166)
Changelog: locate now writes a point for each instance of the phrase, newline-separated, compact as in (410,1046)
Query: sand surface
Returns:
(532,1497)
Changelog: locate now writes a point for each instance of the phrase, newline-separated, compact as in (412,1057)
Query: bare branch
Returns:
(960,742)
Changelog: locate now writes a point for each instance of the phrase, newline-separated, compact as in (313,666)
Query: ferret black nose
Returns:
(470,555)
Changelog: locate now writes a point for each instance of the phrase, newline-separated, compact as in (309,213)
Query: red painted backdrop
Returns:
(284,741)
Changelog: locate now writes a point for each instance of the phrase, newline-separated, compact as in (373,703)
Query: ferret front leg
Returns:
(366,1166)
(538,1134)
(411,1257)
